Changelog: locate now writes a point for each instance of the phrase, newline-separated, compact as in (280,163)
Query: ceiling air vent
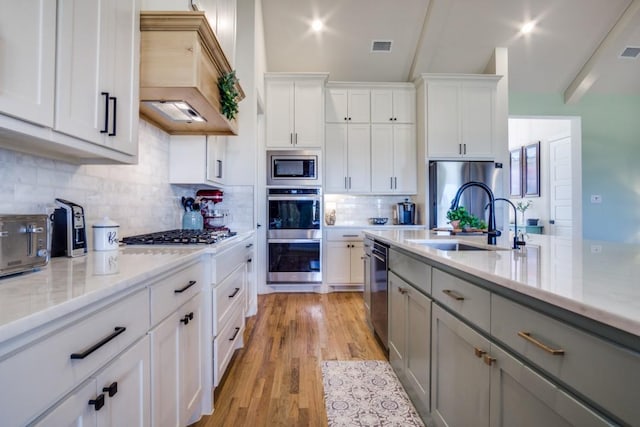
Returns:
(381,46)
(630,52)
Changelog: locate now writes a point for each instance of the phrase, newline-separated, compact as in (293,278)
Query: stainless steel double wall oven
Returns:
(294,237)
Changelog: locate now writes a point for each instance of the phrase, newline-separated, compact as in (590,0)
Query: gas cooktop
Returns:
(173,237)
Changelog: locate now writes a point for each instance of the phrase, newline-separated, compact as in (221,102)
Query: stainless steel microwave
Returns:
(294,167)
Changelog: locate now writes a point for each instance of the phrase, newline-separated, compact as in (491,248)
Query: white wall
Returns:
(526,131)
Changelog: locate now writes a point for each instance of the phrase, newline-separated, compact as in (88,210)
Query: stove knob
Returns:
(42,253)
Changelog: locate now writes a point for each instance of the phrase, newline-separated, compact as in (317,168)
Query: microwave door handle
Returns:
(314,217)
(294,241)
(293,199)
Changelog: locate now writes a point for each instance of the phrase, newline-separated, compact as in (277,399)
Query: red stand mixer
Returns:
(214,218)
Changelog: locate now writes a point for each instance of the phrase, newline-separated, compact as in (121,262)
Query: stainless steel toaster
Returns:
(23,243)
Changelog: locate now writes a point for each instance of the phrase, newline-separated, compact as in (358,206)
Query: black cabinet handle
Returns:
(106,112)
(249,245)
(115,109)
(98,402)
(235,334)
(190,284)
(250,260)
(219,164)
(117,331)
(187,318)
(234,293)
(112,389)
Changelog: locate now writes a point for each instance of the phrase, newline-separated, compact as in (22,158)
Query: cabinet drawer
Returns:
(601,371)
(171,292)
(415,272)
(45,371)
(464,298)
(345,235)
(226,296)
(224,263)
(227,341)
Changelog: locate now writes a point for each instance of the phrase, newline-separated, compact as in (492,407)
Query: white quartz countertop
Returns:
(367,226)
(32,299)
(597,280)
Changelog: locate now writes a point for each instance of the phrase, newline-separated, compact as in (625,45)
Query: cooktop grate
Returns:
(178,236)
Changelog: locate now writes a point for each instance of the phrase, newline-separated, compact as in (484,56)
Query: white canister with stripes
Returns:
(105,235)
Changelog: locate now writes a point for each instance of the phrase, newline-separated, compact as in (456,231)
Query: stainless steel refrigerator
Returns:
(445,177)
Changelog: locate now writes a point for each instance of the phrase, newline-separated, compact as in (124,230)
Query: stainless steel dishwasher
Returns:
(379,291)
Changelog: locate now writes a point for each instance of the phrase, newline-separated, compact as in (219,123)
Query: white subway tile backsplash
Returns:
(356,210)
(138,197)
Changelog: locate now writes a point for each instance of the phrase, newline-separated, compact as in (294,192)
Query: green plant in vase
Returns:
(522,206)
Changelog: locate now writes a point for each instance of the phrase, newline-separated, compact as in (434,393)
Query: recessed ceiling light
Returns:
(317,25)
(528,27)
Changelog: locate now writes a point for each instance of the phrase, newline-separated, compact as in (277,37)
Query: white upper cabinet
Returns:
(70,88)
(294,111)
(97,69)
(460,116)
(197,159)
(393,159)
(370,144)
(348,105)
(348,159)
(27,60)
(397,105)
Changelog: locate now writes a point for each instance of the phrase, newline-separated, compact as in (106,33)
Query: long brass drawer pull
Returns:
(527,336)
(453,294)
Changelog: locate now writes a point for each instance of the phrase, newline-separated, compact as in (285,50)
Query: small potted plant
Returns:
(458,217)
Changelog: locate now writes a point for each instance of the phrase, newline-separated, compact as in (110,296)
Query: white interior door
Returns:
(560,188)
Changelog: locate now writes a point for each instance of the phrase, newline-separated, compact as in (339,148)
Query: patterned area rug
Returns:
(366,393)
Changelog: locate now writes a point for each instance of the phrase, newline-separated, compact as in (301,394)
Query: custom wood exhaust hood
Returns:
(180,62)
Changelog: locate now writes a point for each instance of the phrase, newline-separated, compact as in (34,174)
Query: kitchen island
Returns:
(550,334)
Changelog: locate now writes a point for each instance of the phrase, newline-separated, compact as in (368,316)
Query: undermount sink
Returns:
(449,245)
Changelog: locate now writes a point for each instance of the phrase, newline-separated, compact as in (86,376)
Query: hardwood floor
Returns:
(276,379)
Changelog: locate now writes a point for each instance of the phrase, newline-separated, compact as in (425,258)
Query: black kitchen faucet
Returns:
(492,232)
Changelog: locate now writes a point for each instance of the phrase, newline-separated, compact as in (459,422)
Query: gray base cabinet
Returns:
(460,385)
(476,382)
(520,397)
(409,346)
(469,356)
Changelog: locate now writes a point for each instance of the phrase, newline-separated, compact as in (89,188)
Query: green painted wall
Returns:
(610,158)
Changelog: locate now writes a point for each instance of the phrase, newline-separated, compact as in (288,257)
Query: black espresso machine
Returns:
(69,236)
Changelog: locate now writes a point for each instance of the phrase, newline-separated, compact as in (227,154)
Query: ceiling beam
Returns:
(421,37)
(610,47)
